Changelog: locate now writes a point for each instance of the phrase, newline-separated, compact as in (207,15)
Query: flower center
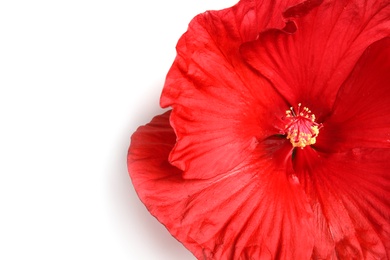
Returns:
(301,129)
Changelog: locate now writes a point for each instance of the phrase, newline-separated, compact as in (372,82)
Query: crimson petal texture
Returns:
(308,63)
(254,211)
(361,114)
(220,106)
(349,193)
(218,170)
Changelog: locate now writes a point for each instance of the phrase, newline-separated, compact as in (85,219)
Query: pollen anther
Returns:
(301,129)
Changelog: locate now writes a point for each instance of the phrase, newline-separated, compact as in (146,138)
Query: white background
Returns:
(77,77)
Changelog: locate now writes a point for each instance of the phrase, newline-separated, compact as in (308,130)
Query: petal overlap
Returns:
(253,210)
(361,113)
(212,91)
(309,65)
(218,169)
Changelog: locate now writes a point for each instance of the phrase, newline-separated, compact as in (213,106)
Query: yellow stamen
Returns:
(301,130)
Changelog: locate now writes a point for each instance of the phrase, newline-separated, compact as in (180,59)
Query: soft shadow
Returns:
(140,232)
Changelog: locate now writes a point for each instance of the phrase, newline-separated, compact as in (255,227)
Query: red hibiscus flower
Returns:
(278,142)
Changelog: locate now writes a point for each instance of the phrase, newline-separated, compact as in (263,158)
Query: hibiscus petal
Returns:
(361,116)
(221,108)
(255,211)
(310,65)
(349,193)
(219,104)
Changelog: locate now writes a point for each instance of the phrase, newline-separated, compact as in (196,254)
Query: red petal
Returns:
(349,193)
(310,65)
(221,108)
(361,116)
(254,211)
